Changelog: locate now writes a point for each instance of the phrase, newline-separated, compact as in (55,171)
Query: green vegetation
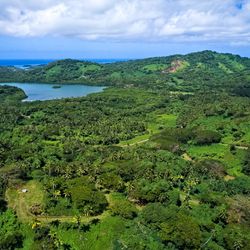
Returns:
(161,160)
(203,70)
(11,94)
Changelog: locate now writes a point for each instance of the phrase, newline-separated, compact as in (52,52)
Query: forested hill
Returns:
(178,72)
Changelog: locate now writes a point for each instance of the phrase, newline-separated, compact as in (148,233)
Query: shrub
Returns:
(210,168)
(86,198)
(206,137)
(124,209)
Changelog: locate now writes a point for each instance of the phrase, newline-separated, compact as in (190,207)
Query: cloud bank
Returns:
(131,20)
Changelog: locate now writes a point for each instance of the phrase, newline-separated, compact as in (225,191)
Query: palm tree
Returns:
(56,194)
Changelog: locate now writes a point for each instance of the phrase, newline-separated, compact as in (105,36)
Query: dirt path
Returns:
(187,157)
(21,207)
(135,143)
(236,146)
(242,147)
(22,210)
(69,219)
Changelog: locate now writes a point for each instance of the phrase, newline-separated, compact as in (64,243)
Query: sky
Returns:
(53,29)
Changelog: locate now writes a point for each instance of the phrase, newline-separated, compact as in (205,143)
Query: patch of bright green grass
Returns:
(215,151)
(57,69)
(161,121)
(228,62)
(246,137)
(116,75)
(91,67)
(167,119)
(22,202)
(200,65)
(224,68)
(137,140)
(211,122)
(156,122)
(221,152)
(237,66)
(234,162)
(29,236)
(100,236)
(155,67)
(35,193)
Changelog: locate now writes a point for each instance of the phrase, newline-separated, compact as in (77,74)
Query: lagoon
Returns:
(46,91)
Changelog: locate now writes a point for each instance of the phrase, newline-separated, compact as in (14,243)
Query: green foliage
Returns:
(85,197)
(246,167)
(190,72)
(206,137)
(172,138)
(144,191)
(183,231)
(155,214)
(123,208)
(236,237)
(239,185)
(111,181)
(104,235)
(10,234)
(10,94)
(210,169)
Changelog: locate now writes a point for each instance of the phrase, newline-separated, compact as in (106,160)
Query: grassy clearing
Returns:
(224,68)
(100,236)
(137,140)
(158,122)
(86,68)
(22,202)
(155,124)
(35,193)
(54,71)
(214,151)
(213,122)
(221,152)
(155,67)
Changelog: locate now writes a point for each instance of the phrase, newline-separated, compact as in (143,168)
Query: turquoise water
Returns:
(44,91)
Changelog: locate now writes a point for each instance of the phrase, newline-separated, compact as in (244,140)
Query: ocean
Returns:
(26,63)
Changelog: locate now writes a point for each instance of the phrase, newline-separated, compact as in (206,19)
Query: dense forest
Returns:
(159,160)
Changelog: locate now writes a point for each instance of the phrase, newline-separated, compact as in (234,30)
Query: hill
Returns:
(206,69)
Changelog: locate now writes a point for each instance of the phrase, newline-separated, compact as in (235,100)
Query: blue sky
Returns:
(53,29)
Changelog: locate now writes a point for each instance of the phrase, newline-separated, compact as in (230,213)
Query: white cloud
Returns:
(132,20)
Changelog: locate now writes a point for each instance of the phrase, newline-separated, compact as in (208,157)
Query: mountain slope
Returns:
(190,72)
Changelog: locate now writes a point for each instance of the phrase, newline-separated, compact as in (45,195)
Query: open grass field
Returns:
(155,124)
(221,152)
(22,202)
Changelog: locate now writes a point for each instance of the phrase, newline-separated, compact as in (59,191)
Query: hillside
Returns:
(190,72)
